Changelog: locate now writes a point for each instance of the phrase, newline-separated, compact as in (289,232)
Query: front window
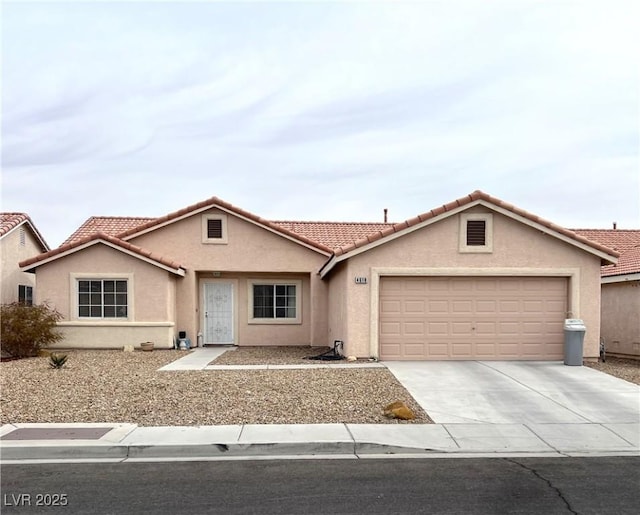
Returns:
(102,298)
(25,295)
(276,301)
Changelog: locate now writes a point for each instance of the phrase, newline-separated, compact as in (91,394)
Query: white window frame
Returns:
(205,226)
(488,235)
(275,282)
(74,288)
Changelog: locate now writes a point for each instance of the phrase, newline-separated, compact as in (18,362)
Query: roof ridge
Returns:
(476,195)
(216,201)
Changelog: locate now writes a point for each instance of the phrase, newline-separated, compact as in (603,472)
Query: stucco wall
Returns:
(257,334)
(517,247)
(11,254)
(338,311)
(621,317)
(249,250)
(151,304)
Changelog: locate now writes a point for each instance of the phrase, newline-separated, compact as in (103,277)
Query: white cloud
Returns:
(319,110)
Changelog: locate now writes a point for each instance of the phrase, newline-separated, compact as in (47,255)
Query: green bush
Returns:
(25,329)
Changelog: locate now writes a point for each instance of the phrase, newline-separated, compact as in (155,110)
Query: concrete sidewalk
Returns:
(128,442)
(481,409)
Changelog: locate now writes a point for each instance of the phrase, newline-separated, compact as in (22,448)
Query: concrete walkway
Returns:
(200,358)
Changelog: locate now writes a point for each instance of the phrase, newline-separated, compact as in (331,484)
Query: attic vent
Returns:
(214,228)
(476,232)
(22,237)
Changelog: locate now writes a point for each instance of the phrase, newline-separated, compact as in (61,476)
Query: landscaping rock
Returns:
(398,410)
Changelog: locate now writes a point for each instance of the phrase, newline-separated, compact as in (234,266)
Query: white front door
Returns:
(218,313)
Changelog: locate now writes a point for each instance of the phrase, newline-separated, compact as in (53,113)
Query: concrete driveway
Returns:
(517,392)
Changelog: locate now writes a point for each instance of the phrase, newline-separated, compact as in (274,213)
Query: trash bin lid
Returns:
(574,324)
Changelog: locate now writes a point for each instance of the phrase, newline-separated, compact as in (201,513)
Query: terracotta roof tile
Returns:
(625,241)
(106,237)
(9,221)
(213,202)
(629,263)
(111,225)
(332,234)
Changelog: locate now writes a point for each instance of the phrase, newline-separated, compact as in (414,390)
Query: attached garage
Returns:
(469,318)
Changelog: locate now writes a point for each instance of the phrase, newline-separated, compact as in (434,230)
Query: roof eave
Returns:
(31,267)
(622,278)
(39,238)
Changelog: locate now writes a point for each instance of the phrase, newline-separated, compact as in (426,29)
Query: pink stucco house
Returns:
(19,240)
(476,278)
(620,310)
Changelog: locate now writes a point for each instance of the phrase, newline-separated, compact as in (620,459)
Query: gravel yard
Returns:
(276,356)
(627,369)
(117,386)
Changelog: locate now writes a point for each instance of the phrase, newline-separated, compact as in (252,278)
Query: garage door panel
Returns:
(460,349)
(413,328)
(438,306)
(438,350)
(414,306)
(472,317)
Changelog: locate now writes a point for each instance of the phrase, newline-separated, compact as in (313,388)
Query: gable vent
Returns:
(214,228)
(476,232)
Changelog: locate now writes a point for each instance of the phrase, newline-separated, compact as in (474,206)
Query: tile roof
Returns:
(101,236)
(112,225)
(226,206)
(339,237)
(629,263)
(625,241)
(9,221)
(462,201)
(330,234)
(617,239)
(333,234)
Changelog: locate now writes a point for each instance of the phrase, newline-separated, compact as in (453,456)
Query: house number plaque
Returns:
(361,280)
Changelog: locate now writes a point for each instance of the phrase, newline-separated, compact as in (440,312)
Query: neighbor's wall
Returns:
(150,296)
(11,253)
(437,246)
(621,318)
(249,250)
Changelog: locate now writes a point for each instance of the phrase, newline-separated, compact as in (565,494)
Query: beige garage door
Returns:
(498,318)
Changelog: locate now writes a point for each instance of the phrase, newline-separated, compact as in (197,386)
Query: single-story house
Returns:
(476,278)
(620,313)
(19,240)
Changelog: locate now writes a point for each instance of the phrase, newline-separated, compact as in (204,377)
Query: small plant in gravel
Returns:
(57,361)
(25,329)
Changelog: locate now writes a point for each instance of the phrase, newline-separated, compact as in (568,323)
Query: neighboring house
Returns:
(620,326)
(19,240)
(476,278)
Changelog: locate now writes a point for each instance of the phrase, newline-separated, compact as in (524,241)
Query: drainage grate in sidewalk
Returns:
(57,433)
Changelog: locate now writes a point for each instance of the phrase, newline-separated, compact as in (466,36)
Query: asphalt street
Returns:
(595,485)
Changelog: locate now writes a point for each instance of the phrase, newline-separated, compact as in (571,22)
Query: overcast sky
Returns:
(320,111)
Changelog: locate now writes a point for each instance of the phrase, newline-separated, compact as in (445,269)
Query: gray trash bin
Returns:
(574,330)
